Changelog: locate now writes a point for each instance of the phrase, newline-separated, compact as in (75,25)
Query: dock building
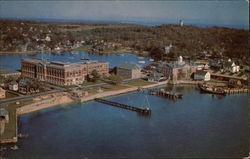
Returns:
(61,73)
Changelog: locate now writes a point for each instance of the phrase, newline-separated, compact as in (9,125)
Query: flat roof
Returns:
(7,71)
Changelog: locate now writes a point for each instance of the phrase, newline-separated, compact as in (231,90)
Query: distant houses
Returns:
(230,66)
(129,71)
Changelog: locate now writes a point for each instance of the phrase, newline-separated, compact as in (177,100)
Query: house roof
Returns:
(129,66)
(228,64)
(201,72)
(13,82)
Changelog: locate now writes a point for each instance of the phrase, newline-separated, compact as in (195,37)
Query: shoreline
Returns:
(65,98)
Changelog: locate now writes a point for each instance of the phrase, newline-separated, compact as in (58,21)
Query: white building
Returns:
(181,22)
(231,66)
(47,38)
(168,48)
(202,75)
(13,86)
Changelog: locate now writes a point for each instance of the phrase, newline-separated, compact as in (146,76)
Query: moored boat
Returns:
(212,90)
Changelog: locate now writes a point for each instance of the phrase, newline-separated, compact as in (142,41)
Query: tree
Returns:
(96,76)
(115,79)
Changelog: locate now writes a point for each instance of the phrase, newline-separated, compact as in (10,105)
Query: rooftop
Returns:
(6,71)
(201,72)
(129,66)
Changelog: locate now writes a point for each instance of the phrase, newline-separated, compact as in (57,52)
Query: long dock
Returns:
(165,94)
(145,111)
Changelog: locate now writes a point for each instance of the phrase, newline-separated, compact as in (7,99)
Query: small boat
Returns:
(212,90)
(22,136)
(15,147)
(141,61)
(85,58)
(151,60)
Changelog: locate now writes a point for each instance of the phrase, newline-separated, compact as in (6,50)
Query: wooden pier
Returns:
(145,111)
(166,94)
(236,90)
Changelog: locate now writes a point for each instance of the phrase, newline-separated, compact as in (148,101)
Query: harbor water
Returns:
(13,61)
(197,126)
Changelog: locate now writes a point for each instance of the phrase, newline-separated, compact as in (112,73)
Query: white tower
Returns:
(181,22)
(180,59)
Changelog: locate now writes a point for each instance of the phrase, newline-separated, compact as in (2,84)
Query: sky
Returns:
(213,12)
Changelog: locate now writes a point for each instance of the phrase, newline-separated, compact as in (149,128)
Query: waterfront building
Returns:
(129,71)
(156,77)
(9,73)
(79,93)
(61,73)
(230,66)
(178,70)
(202,75)
(13,85)
(2,93)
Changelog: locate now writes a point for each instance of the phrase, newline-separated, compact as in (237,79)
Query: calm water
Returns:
(199,125)
(12,61)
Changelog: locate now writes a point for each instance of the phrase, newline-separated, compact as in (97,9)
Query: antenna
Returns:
(148,105)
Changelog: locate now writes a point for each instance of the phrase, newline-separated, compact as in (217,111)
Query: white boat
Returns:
(151,60)
(141,57)
(141,61)
(14,147)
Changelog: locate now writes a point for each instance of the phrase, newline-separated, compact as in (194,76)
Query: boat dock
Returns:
(236,90)
(165,94)
(145,111)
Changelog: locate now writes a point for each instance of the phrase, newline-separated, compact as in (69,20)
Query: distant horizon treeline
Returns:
(186,40)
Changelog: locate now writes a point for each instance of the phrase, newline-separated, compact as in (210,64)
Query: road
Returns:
(22,98)
(56,89)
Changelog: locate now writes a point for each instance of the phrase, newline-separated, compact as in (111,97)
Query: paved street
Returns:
(22,98)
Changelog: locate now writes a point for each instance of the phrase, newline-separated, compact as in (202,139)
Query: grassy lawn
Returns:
(10,128)
(84,48)
(86,83)
(114,87)
(139,82)
(67,87)
(10,95)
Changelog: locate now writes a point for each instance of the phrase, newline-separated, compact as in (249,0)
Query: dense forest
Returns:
(185,40)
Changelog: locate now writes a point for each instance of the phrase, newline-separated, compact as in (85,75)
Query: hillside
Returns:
(22,36)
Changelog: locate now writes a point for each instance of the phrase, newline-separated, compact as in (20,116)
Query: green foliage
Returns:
(115,79)
(95,76)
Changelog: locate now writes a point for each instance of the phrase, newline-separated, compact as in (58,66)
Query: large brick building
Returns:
(61,73)
(178,70)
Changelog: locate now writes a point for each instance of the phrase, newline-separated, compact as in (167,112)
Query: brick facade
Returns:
(61,73)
